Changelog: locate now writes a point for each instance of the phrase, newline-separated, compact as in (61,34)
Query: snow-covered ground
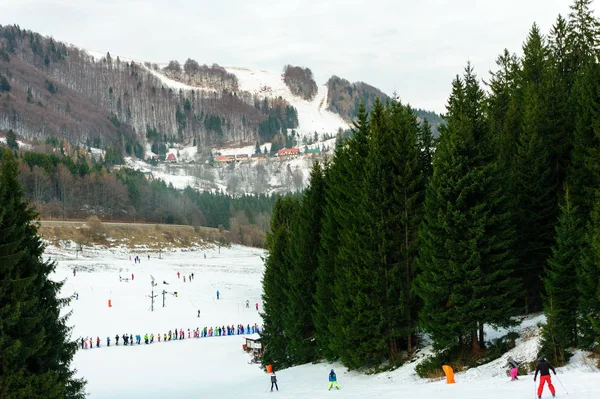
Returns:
(313,115)
(217,366)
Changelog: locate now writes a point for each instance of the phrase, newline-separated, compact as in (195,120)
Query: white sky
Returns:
(412,47)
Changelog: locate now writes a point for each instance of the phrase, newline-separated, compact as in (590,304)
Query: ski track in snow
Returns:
(217,366)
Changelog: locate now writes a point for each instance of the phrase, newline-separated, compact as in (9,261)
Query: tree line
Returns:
(393,239)
(65,187)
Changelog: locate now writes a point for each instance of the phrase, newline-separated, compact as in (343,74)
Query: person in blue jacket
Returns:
(333,380)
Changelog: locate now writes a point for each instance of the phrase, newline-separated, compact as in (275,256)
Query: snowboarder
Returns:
(333,380)
(274,381)
(514,368)
(544,368)
(198,312)
(217,294)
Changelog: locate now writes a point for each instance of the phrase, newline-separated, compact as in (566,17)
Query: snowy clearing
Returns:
(217,366)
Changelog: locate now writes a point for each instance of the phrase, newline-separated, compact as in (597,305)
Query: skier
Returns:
(544,368)
(178,274)
(189,333)
(146,338)
(175,336)
(76,295)
(247,303)
(204,256)
(217,294)
(97,342)
(514,368)
(158,337)
(151,338)
(192,276)
(107,341)
(74,271)
(131,276)
(333,380)
(257,306)
(198,312)
(274,381)
(91,343)
(117,339)
(82,343)
(184,279)
(131,339)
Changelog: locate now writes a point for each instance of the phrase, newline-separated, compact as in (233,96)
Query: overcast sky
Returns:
(414,48)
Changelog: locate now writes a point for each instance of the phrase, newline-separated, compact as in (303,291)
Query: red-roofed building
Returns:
(288,152)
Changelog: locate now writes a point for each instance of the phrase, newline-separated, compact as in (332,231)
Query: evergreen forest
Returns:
(403,236)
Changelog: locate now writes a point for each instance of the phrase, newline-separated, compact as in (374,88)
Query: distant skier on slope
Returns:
(544,368)
(514,368)
(333,380)
(274,381)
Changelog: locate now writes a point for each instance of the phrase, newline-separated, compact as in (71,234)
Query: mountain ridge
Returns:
(109,101)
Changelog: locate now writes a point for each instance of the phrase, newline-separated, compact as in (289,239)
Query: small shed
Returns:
(253,345)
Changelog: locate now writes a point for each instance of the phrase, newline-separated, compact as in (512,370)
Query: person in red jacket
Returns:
(544,368)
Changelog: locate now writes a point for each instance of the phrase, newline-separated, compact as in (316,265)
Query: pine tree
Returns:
(11,140)
(560,282)
(583,38)
(34,341)
(535,186)
(302,277)
(465,260)
(278,264)
(341,194)
(588,276)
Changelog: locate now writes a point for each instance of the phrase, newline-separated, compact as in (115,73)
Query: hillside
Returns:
(53,89)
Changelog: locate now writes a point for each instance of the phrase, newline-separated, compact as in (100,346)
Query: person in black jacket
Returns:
(544,368)
(274,381)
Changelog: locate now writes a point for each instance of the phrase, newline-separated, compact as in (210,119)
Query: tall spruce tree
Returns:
(341,193)
(535,186)
(561,296)
(302,278)
(380,244)
(278,264)
(35,345)
(588,278)
(583,38)
(465,259)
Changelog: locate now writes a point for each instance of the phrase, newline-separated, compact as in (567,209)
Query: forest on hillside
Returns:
(61,187)
(403,234)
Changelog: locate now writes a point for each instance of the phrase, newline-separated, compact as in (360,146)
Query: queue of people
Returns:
(174,335)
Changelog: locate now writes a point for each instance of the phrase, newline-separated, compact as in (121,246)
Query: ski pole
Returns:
(561,384)
(534,389)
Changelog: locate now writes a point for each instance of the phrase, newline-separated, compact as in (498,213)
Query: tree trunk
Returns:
(475,348)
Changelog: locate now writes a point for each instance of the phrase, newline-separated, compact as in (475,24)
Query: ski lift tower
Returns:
(152,296)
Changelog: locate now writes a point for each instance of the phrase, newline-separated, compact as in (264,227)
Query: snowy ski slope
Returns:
(216,366)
